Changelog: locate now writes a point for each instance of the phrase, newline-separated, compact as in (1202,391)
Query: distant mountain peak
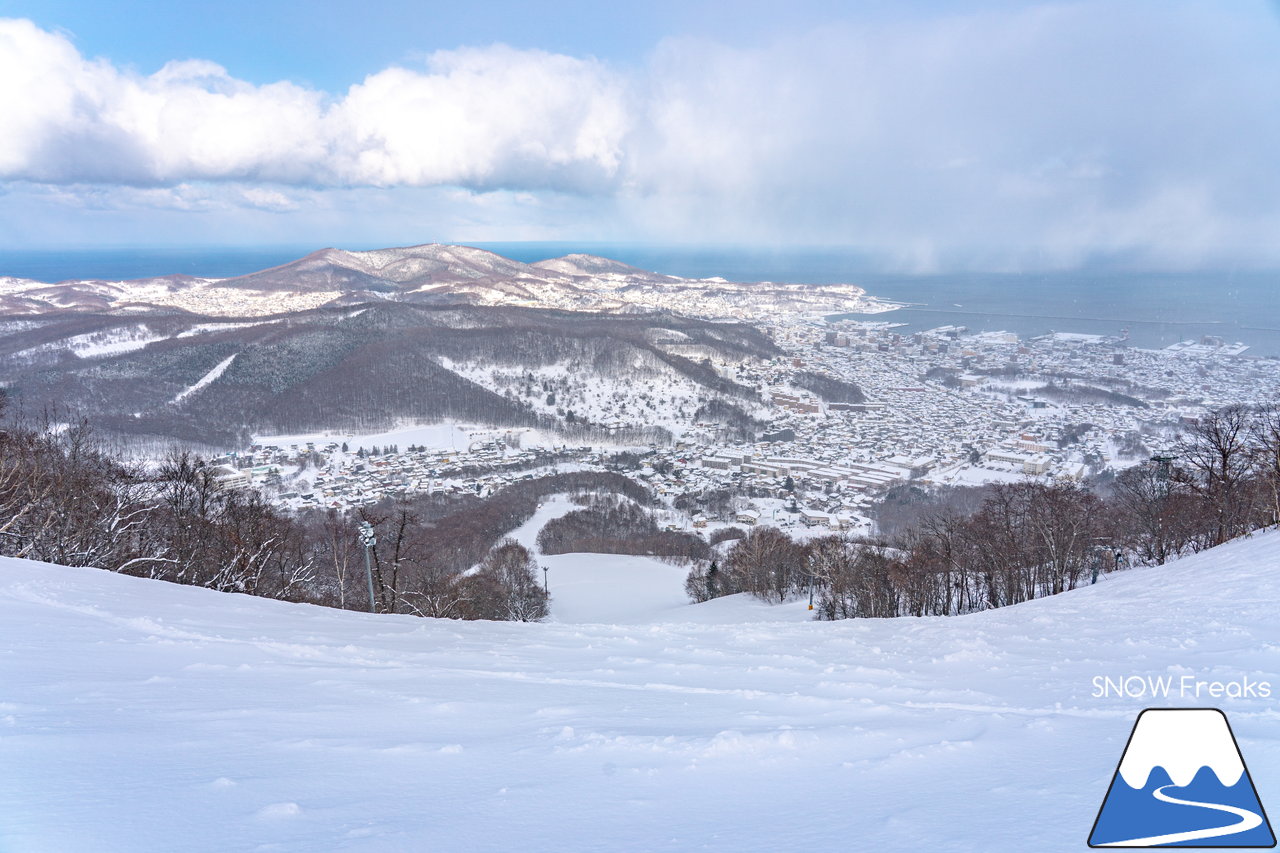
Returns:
(442,273)
(587,265)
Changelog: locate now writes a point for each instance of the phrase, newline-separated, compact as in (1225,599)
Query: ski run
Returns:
(141,716)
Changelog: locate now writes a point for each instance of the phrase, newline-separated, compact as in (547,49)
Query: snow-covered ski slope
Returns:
(136,715)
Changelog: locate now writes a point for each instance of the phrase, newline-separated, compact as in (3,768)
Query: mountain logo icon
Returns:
(1182,782)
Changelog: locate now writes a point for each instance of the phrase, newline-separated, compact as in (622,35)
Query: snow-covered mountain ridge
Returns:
(437,273)
(378,364)
(136,715)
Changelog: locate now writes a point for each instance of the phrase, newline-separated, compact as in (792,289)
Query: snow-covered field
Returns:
(444,436)
(441,436)
(136,715)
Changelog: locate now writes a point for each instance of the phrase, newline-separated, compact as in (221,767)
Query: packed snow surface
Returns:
(593,588)
(136,715)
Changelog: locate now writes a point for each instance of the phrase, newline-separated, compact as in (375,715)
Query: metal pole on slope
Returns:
(368,539)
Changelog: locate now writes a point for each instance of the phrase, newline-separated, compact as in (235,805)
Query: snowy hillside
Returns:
(375,367)
(136,715)
(644,390)
(435,273)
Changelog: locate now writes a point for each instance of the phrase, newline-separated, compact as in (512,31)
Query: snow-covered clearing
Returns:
(100,344)
(136,715)
(204,381)
(111,341)
(442,436)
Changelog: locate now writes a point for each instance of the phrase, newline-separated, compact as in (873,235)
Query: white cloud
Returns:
(1041,136)
(268,199)
(496,117)
(68,119)
(482,118)
(1032,135)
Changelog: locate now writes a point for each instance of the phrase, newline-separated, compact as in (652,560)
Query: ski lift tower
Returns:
(1164,468)
(1163,465)
(368,539)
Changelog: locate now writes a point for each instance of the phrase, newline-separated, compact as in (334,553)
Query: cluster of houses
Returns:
(856,476)
(326,475)
(970,401)
(942,406)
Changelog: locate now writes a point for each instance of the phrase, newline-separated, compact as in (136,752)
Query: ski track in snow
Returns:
(204,381)
(138,715)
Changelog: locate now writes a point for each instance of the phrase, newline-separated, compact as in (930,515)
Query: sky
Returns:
(930,136)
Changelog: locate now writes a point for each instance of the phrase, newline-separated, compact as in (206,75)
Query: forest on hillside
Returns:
(362,368)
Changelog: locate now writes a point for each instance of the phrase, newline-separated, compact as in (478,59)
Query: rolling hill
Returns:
(436,274)
(373,365)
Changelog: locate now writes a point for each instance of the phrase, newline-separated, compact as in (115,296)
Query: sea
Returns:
(1151,309)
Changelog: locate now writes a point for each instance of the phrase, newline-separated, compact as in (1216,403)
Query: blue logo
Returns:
(1182,782)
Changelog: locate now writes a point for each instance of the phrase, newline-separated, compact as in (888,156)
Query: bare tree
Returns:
(939,547)
(1216,448)
(855,580)
(1154,512)
(505,586)
(337,549)
(706,581)
(437,591)
(1265,434)
(767,563)
(399,547)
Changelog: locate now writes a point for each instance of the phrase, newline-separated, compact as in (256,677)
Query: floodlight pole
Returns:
(545,588)
(368,539)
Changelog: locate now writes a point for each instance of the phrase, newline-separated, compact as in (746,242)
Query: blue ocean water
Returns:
(122,264)
(1157,309)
